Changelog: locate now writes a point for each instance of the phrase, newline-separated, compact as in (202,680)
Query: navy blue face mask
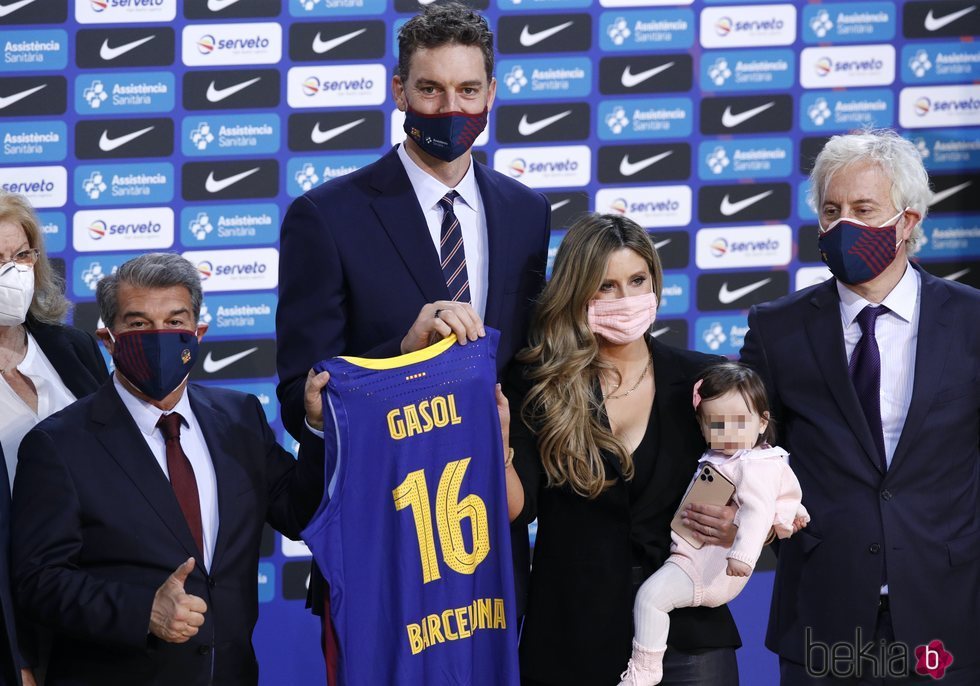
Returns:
(156,362)
(446,135)
(857,253)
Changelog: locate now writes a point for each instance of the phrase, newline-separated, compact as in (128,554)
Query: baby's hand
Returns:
(799,523)
(738,568)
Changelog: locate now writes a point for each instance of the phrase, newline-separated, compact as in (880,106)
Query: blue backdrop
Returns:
(138,125)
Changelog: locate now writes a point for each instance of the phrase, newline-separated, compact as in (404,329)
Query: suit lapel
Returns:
(397,208)
(497,241)
(930,359)
(117,432)
(826,336)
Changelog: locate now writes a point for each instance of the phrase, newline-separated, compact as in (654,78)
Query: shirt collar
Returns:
(429,190)
(901,300)
(146,415)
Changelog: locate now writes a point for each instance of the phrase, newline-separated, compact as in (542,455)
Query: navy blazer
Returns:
(919,520)
(97,529)
(75,355)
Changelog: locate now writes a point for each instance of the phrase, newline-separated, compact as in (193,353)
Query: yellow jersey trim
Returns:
(404,360)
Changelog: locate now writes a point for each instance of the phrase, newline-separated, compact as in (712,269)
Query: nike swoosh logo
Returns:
(219,94)
(660,332)
(318,136)
(426,2)
(321,46)
(660,244)
(935,23)
(560,204)
(11,99)
(526,128)
(107,144)
(13,7)
(729,120)
(627,168)
(218,5)
(528,39)
(213,185)
(211,365)
(727,297)
(107,53)
(728,208)
(956,275)
(942,195)
(630,79)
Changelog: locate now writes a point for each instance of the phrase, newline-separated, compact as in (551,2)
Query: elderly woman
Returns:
(44,366)
(605,441)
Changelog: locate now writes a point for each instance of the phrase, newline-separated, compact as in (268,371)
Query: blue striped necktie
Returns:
(451,252)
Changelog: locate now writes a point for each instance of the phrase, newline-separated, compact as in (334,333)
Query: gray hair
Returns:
(896,157)
(49,304)
(152,270)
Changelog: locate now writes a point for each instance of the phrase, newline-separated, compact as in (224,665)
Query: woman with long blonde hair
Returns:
(605,441)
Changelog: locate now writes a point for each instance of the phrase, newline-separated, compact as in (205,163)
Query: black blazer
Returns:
(75,355)
(97,529)
(920,520)
(579,624)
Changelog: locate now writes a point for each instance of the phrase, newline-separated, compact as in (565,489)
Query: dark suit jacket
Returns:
(579,624)
(75,356)
(97,529)
(919,520)
(356,264)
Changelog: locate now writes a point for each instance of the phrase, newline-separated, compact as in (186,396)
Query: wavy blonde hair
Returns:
(49,304)
(562,406)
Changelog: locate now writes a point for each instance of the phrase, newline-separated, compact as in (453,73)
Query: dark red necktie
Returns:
(182,476)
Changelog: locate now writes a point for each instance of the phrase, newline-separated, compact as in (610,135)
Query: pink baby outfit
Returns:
(768,495)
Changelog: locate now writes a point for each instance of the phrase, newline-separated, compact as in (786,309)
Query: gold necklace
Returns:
(643,375)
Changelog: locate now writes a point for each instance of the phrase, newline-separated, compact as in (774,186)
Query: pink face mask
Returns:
(623,320)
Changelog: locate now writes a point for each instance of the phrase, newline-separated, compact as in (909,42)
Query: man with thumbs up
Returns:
(138,511)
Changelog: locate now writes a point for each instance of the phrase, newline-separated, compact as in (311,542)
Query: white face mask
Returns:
(16,294)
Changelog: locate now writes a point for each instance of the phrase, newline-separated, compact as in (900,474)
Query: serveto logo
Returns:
(237,315)
(240,134)
(745,158)
(34,50)
(341,86)
(939,106)
(940,63)
(333,8)
(108,93)
(565,77)
(124,11)
(646,30)
(950,149)
(810,276)
(34,141)
(865,22)
(252,269)
(648,206)
(747,246)
(305,173)
(748,70)
(42,186)
(722,335)
(146,228)
(124,184)
(644,118)
(866,65)
(748,26)
(216,44)
(846,110)
(546,167)
(229,225)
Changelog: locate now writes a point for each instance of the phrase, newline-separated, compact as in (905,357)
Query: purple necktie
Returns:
(182,476)
(451,252)
(865,370)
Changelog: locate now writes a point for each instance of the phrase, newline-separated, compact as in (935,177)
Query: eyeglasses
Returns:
(23,261)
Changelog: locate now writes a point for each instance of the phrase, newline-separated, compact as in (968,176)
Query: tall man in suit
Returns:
(873,377)
(138,510)
(426,240)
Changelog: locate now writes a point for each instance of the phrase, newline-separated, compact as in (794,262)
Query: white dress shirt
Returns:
(18,417)
(897,333)
(472,221)
(192,442)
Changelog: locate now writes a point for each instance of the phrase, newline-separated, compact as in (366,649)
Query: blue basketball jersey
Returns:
(413,534)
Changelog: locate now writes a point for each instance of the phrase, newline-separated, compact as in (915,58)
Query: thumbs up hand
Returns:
(176,615)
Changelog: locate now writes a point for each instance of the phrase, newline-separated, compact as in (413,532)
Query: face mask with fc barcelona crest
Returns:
(156,361)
